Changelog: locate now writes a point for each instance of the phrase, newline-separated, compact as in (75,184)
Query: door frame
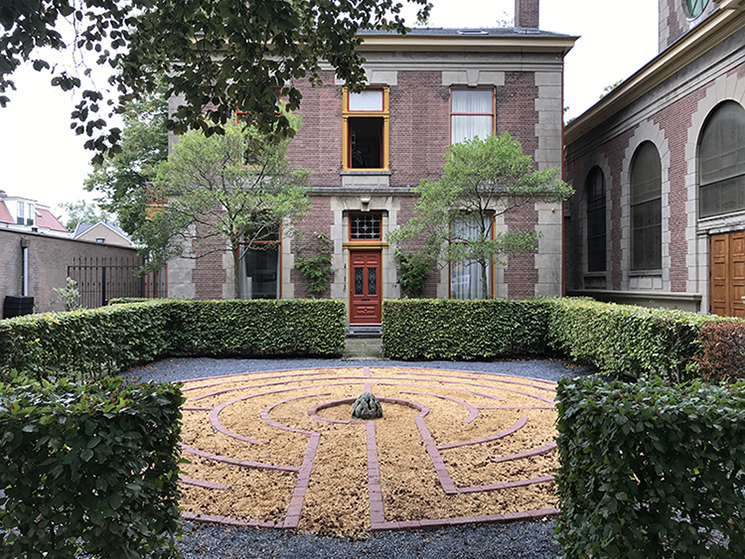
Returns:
(377,249)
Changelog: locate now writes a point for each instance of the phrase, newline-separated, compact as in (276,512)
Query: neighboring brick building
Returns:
(368,151)
(658,166)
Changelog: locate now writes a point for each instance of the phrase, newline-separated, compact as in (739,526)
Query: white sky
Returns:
(42,158)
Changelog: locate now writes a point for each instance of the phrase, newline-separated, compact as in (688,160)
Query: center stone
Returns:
(367,406)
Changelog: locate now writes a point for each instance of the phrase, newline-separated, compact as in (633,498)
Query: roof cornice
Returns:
(438,43)
(722,23)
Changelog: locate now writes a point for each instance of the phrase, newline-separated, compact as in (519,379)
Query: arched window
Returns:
(646,208)
(595,192)
(722,161)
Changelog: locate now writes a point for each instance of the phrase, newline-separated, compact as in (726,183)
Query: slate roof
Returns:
(469,32)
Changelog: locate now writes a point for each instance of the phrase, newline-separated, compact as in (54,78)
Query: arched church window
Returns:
(646,208)
(722,161)
(595,192)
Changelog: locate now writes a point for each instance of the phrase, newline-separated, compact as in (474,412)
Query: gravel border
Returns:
(529,540)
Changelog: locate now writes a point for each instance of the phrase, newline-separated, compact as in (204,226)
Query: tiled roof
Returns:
(468,32)
(45,218)
(5,216)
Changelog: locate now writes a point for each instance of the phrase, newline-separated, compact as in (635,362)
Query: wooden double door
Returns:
(727,252)
(365,287)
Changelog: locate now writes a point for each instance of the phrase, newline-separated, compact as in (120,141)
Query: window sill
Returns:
(364,172)
(644,273)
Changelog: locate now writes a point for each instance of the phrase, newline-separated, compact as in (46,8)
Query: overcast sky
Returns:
(41,158)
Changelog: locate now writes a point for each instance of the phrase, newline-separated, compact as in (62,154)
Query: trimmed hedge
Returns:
(454,329)
(94,343)
(627,340)
(618,339)
(651,471)
(89,466)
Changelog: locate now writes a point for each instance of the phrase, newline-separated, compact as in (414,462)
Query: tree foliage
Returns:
(221,54)
(122,177)
(225,192)
(482,180)
(84,212)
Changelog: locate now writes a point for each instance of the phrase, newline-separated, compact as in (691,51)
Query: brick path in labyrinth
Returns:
(278,449)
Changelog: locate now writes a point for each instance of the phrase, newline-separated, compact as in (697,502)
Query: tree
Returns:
(456,216)
(122,177)
(84,212)
(226,192)
(221,54)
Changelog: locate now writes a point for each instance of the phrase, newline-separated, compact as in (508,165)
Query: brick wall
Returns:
(317,145)
(676,120)
(420,127)
(209,274)
(318,220)
(527,13)
(49,258)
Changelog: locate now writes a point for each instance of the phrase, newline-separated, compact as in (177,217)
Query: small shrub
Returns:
(69,296)
(316,269)
(413,272)
(723,352)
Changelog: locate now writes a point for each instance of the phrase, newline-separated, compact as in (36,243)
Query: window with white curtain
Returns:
(466,281)
(471,114)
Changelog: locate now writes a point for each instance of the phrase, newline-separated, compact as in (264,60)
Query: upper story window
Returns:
(595,192)
(25,213)
(471,114)
(364,227)
(646,208)
(365,129)
(722,161)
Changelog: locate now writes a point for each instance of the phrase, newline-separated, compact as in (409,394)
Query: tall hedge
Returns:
(454,329)
(651,471)
(627,340)
(94,343)
(618,339)
(90,466)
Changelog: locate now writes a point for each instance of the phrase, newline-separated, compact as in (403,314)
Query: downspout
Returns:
(24,252)
(563,177)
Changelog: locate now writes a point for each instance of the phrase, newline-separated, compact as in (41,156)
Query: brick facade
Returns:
(672,116)
(419,72)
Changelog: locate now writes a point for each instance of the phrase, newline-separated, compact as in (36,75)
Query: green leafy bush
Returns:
(316,269)
(723,353)
(98,342)
(91,466)
(651,471)
(627,340)
(453,329)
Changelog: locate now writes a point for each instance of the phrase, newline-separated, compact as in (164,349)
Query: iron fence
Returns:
(100,279)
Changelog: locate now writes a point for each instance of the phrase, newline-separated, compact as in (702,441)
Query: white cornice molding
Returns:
(448,43)
(729,18)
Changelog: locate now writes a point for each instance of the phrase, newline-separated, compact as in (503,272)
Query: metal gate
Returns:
(102,279)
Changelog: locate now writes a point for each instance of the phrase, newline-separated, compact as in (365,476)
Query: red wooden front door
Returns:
(364,287)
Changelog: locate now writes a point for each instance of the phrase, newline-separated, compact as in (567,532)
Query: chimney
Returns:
(526,14)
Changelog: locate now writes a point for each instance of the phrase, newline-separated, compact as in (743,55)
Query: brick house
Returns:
(658,166)
(367,152)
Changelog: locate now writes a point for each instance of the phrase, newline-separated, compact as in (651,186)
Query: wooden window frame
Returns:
(346,113)
(491,278)
(492,114)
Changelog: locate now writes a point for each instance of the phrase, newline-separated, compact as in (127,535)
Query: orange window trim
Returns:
(346,153)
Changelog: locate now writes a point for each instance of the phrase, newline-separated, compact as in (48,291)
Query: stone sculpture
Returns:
(367,406)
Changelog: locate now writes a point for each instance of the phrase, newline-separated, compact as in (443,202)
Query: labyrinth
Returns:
(281,450)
